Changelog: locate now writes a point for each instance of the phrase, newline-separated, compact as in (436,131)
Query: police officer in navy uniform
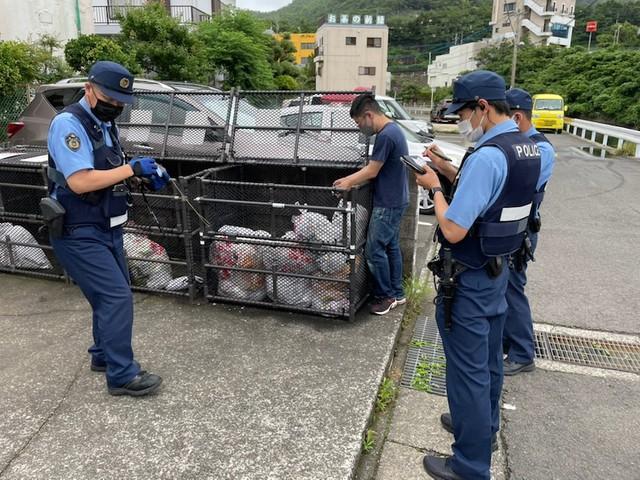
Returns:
(482,222)
(87,170)
(518,340)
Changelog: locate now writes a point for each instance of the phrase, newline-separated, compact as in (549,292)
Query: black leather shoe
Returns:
(445,420)
(512,368)
(438,468)
(96,367)
(143,383)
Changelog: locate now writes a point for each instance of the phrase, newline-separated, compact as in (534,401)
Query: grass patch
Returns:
(386,394)
(425,370)
(416,291)
(628,150)
(369,441)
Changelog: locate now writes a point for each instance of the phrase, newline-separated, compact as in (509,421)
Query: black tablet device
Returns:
(415,163)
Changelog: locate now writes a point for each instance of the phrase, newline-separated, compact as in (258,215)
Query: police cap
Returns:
(114,80)
(519,99)
(474,86)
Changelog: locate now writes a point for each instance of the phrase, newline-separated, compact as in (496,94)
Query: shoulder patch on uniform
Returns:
(72,141)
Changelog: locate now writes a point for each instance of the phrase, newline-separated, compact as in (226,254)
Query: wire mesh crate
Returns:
(26,249)
(162,262)
(174,125)
(303,128)
(23,182)
(280,236)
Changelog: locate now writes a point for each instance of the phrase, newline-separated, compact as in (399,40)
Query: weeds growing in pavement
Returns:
(369,441)
(386,394)
(416,291)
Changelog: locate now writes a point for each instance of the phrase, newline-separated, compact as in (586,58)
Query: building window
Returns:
(564,9)
(571,10)
(366,70)
(509,7)
(350,41)
(545,28)
(319,70)
(375,42)
(304,60)
(506,24)
(307,46)
(559,30)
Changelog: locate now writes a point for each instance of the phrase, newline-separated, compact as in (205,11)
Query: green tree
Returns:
(20,64)
(162,46)
(601,85)
(82,52)
(285,72)
(236,43)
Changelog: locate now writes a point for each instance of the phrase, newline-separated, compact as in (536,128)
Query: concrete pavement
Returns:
(247,394)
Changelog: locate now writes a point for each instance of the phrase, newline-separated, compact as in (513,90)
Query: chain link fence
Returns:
(11,106)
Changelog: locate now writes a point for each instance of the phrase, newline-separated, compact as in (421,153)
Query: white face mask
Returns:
(468,132)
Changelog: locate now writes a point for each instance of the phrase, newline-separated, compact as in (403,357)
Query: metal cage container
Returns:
(281,236)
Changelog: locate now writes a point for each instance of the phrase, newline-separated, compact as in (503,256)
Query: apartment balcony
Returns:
(105,18)
(318,54)
(542,10)
(534,28)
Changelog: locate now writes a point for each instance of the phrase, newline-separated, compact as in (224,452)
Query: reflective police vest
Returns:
(539,195)
(105,208)
(501,230)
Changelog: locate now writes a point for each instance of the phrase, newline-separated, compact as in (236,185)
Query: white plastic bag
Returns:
(362,220)
(238,284)
(23,257)
(143,273)
(288,259)
(290,290)
(313,227)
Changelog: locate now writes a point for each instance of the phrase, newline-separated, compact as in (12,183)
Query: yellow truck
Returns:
(548,112)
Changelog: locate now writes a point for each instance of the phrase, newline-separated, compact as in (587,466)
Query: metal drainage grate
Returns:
(424,368)
(589,352)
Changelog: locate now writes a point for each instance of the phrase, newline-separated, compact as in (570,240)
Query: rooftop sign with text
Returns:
(344,19)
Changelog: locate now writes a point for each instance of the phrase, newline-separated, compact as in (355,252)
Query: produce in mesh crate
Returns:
(20,256)
(238,284)
(143,273)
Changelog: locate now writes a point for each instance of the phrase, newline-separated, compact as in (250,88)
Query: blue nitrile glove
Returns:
(143,166)
(158,179)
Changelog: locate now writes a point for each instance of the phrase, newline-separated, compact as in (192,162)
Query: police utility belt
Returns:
(54,213)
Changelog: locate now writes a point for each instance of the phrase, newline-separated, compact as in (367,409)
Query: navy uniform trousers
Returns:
(518,341)
(94,258)
(473,349)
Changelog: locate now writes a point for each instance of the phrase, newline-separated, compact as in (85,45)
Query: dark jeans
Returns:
(382,252)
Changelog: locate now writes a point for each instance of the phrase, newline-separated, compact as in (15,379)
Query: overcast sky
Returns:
(262,5)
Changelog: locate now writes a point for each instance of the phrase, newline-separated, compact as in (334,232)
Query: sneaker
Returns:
(383,306)
(401,301)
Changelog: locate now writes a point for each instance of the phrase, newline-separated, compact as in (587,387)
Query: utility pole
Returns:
(516,41)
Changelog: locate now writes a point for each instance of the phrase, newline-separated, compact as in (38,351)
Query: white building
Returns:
(461,58)
(542,22)
(105,12)
(27,20)
(352,52)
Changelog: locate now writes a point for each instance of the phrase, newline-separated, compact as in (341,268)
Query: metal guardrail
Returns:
(603,134)
(109,15)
